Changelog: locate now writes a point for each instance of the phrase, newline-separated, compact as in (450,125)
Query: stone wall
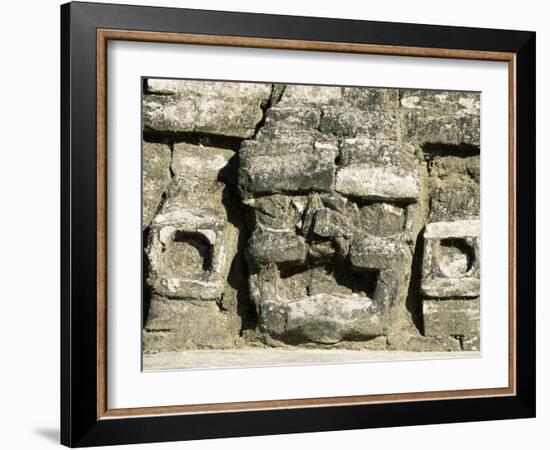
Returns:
(313,216)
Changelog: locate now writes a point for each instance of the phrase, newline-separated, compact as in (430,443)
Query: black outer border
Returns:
(79,425)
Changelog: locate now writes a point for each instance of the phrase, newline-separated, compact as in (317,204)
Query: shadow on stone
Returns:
(414,299)
(237,214)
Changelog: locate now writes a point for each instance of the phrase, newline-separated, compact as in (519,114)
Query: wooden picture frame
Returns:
(86,418)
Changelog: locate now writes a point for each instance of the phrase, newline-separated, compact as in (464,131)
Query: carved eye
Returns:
(456,257)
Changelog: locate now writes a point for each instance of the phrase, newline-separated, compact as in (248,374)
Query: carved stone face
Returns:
(364,216)
(330,254)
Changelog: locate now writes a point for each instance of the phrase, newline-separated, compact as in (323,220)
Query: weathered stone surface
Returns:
(471,343)
(323,318)
(175,325)
(440,117)
(382,219)
(228,109)
(451,317)
(375,252)
(371,99)
(455,198)
(187,255)
(345,123)
(268,247)
(377,183)
(450,266)
(316,95)
(378,152)
(424,343)
(196,161)
(306,167)
(378,170)
(191,242)
(444,166)
(295,282)
(459,228)
(301,118)
(330,223)
(277,212)
(318,202)
(156,176)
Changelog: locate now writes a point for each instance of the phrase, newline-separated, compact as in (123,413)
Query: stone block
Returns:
(192,193)
(378,152)
(266,248)
(310,95)
(206,88)
(471,343)
(390,183)
(382,219)
(175,325)
(455,197)
(156,176)
(197,161)
(276,212)
(296,282)
(371,99)
(455,317)
(443,165)
(440,117)
(323,318)
(189,253)
(294,118)
(345,122)
(329,223)
(450,266)
(227,109)
(307,167)
(376,252)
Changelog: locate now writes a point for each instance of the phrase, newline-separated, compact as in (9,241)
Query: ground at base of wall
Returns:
(200,359)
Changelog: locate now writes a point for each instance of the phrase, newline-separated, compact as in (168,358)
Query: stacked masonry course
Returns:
(311,216)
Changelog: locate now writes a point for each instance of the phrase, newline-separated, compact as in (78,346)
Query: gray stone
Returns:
(382,219)
(444,166)
(371,99)
(376,252)
(344,122)
(323,194)
(276,212)
(228,109)
(272,247)
(187,255)
(390,183)
(471,343)
(450,265)
(306,167)
(330,223)
(175,325)
(191,243)
(312,95)
(451,317)
(323,318)
(378,152)
(293,118)
(453,198)
(424,343)
(440,117)
(156,176)
(197,161)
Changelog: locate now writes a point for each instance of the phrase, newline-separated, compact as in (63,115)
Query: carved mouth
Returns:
(297,282)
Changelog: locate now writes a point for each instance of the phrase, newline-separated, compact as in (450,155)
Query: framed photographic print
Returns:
(278,224)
